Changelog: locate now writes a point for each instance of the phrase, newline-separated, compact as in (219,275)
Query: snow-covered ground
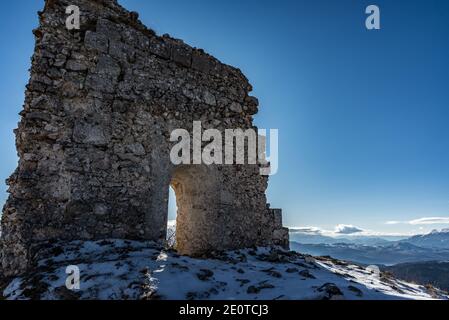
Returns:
(120,269)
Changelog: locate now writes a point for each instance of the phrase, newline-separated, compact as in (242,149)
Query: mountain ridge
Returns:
(434,239)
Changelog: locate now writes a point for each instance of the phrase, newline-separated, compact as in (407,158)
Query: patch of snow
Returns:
(13,290)
(121,269)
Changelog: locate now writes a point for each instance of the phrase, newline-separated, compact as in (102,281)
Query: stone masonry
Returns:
(93,142)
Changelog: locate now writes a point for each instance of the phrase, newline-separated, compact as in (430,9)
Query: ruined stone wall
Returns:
(94,146)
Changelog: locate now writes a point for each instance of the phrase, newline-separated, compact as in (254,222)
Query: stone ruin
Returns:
(93,142)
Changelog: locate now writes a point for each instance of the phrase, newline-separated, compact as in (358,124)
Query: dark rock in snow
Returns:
(357,291)
(331,291)
(205,274)
(306,274)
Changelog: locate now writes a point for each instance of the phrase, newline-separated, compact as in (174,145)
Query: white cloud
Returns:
(347,229)
(307,230)
(342,230)
(433,220)
(395,222)
(422,221)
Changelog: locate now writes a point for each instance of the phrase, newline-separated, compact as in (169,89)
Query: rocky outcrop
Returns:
(94,146)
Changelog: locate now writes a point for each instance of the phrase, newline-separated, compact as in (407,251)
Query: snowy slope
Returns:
(120,269)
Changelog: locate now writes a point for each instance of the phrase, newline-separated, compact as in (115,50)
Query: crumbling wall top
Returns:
(165,46)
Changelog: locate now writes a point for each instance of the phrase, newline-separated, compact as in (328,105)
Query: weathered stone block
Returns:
(74,65)
(94,82)
(281,238)
(119,50)
(236,107)
(90,134)
(136,148)
(182,54)
(38,116)
(160,48)
(96,41)
(108,29)
(108,66)
(201,61)
(209,98)
(277,214)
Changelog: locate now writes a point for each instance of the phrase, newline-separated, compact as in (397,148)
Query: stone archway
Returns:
(94,141)
(196,193)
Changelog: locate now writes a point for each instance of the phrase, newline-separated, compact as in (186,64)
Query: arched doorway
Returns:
(196,193)
(171,222)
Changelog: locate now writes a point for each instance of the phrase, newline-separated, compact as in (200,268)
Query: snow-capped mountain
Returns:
(371,250)
(308,238)
(120,269)
(435,239)
(386,254)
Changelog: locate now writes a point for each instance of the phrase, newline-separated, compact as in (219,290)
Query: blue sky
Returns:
(363,116)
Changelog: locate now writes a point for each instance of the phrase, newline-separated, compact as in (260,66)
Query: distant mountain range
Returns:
(422,259)
(435,239)
(371,250)
(310,238)
(399,252)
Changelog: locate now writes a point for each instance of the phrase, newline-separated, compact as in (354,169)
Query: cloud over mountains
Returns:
(347,229)
(422,221)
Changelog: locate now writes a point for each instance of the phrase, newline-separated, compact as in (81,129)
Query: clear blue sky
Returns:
(363,116)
